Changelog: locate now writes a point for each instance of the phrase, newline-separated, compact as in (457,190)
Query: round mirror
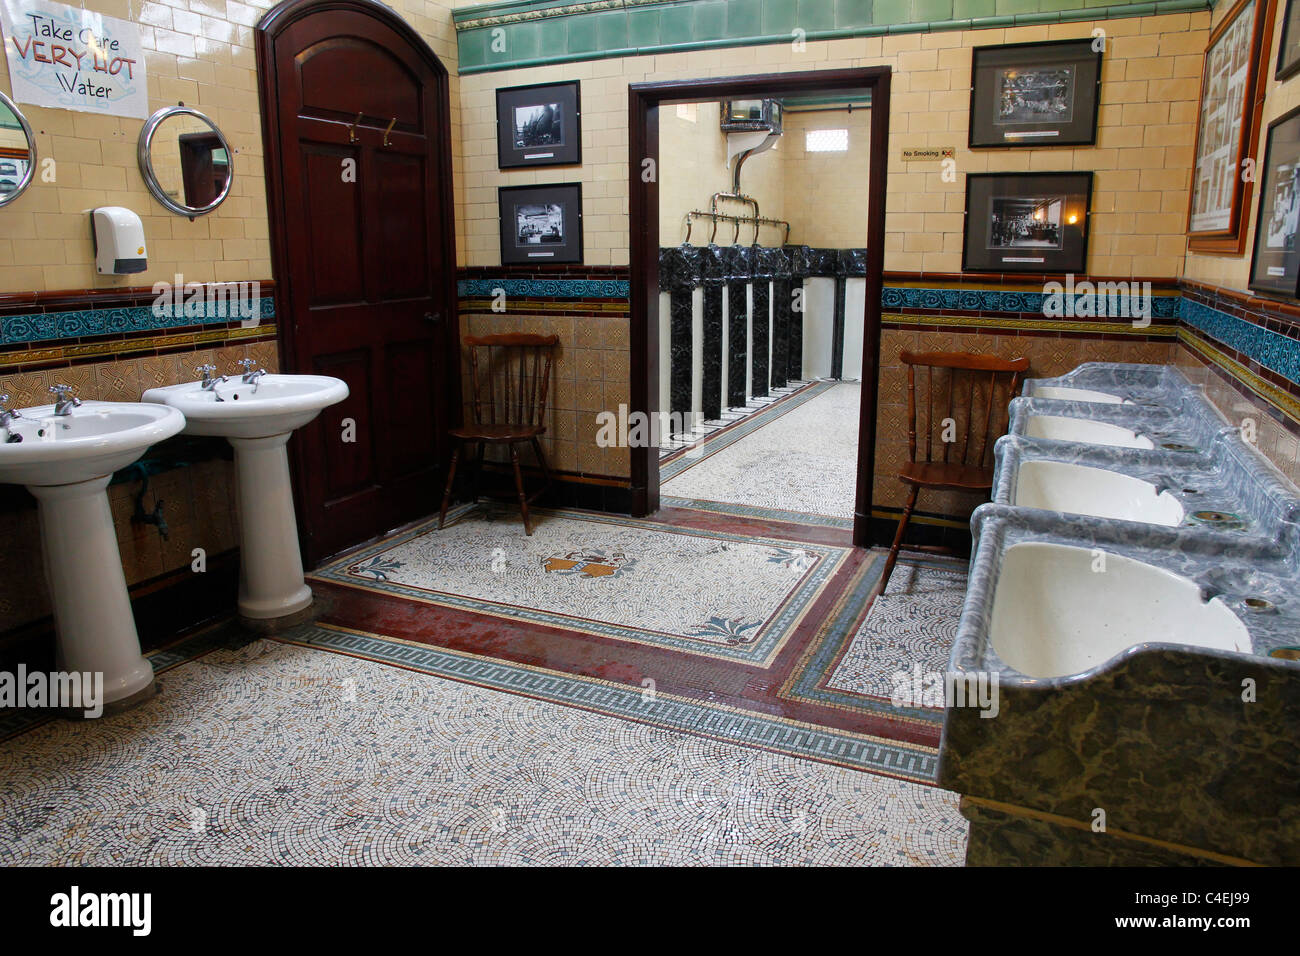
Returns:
(17,151)
(185,161)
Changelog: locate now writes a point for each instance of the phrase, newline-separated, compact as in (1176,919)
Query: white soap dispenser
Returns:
(119,241)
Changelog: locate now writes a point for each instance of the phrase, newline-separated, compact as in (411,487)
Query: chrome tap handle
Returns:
(64,399)
(247,364)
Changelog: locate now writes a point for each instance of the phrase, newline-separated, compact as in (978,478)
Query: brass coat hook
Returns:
(352,129)
(391,123)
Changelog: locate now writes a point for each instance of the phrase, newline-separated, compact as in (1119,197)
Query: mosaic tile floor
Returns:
(275,753)
(857,659)
(765,470)
(730,417)
(703,592)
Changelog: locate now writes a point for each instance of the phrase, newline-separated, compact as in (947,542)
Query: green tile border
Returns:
(513,34)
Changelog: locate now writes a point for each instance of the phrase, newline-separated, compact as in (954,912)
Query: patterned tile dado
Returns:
(18,360)
(83,323)
(515,33)
(1273,350)
(545,288)
(711,593)
(1163,305)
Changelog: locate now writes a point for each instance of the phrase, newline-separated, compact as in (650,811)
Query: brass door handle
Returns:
(352,129)
(391,123)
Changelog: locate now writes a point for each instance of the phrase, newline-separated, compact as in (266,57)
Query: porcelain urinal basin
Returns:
(1080,490)
(1060,610)
(1087,431)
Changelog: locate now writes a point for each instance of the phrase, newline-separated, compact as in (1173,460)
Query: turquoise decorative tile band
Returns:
(545,288)
(520,33)
(82,323)
(1273,350)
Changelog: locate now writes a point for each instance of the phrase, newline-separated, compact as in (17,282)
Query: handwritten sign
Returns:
(73,59)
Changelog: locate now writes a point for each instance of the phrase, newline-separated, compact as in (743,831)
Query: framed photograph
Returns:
(541,224)
(539,125)
(1275,264)
(1226,130)
(1027,222)
(1035,94)
(1288,51)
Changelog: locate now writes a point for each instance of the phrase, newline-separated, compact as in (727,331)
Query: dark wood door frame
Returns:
(644,100)
(268,29)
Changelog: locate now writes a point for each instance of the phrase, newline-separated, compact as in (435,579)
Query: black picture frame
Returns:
(1288,48)
(1027,222)
(1275,258)
(540,224)
(1031,95)
(539,125)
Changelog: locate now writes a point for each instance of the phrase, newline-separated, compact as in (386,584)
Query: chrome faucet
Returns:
(251,375)
(209,384)
(7,415)
(64,400)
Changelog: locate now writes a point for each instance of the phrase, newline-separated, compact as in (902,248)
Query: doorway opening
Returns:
(747,335)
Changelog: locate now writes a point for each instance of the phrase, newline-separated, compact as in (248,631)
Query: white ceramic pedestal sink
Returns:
(1080,490)
(257,419)
(66,461)
(1084,430)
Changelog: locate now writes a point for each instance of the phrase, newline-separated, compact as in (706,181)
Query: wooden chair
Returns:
(972,472)
(511,410)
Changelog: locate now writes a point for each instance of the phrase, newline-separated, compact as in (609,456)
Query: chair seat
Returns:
(939,474)
(498,433)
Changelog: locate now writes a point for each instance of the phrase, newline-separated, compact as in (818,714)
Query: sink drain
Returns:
(1258,605)
(1219,519)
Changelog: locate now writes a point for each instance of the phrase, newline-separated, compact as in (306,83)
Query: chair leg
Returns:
(898,540)
(541,459)
(519,486)
(451,478)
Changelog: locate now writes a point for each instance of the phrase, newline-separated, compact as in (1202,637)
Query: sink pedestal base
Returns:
(271,583)
(92,610)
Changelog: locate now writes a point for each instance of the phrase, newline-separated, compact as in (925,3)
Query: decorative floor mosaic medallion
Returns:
(282,754)
(703,592)
(860,662)
(801,460)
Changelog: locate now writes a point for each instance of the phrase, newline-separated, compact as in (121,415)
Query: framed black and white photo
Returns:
(1275,265)
(1035,94)
(541,224)
(1218,211)
(1288,49)
(1027,222)
(539,125)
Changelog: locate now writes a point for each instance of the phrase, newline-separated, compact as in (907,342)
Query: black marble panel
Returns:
(1162,741)
(837,329)
(681,349)
(760,362)
(781,315)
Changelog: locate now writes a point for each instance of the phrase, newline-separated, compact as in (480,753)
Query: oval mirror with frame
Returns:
(185,160)
(17,151)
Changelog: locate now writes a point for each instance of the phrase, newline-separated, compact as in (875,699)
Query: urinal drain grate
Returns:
(1176,446)
(1286,653)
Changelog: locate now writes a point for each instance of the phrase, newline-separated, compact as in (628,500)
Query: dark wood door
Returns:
(359,171)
